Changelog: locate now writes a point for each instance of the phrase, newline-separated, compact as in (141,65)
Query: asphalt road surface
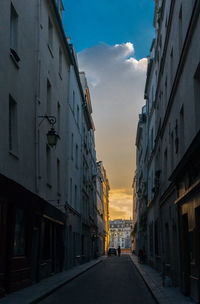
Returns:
(114,281)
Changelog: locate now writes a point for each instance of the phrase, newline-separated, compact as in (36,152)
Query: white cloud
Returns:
(116,80)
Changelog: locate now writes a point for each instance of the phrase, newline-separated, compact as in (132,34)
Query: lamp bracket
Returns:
(51,119)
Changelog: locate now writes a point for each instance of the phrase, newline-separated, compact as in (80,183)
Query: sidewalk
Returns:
(36,292)
(162,295)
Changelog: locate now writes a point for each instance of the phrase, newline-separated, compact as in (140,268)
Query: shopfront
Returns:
(31,237)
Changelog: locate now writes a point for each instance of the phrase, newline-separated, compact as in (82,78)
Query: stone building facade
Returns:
(48,211)
(103,188)
(120,233)
(171,146)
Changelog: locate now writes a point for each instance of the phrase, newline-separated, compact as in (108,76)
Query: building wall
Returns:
(174,66)
(48,195)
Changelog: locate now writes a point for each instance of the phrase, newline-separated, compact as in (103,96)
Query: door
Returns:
(35,249)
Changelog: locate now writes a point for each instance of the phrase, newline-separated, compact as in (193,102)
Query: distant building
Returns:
(120,233)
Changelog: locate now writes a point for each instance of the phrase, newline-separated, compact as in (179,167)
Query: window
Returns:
(171,66)
(73,106)
(48,97)
(176,137)
(77,114)
(13,132)
(182,128)
(60,62)
(166,91)
(58,117)
(58,176)
(172,150)
(48,165)
(152,95)
(77,156)
(151,144)
(50,34)
(19,237)
(75,196)
(13,30)
(165,162)
(180,29)
(70,191)
(72,145)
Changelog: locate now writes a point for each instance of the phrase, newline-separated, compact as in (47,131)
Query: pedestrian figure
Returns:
(119,251)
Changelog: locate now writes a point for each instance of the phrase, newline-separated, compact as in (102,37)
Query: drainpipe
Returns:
(37,97)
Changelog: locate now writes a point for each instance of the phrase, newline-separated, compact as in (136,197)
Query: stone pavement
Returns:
(153,279)
(36,292)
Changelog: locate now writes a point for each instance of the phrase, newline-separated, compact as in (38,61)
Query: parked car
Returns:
(112,251)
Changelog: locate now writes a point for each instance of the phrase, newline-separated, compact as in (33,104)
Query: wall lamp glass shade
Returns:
(52,137)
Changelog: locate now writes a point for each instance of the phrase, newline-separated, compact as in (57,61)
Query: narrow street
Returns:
(115,280)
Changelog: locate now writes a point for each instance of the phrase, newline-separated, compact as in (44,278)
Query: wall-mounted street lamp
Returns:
(52,136)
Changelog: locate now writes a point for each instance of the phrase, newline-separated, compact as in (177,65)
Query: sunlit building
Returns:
(100,211)
(120,233)
(106,189)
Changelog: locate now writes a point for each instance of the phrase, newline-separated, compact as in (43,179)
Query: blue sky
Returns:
(112,39)
(90,22)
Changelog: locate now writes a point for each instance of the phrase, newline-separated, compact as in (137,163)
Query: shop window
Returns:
(197,95)
(194,171)
(19,237)
(197,233)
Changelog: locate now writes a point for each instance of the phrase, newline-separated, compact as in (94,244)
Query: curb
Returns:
(63,283)
(37,292)
(145,281)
